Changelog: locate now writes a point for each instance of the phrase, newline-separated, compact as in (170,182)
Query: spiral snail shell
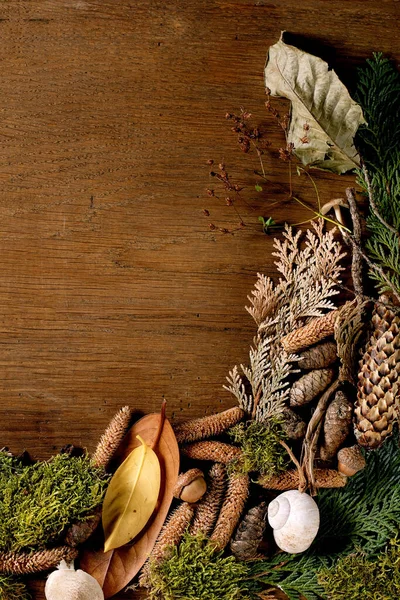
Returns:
(294,517)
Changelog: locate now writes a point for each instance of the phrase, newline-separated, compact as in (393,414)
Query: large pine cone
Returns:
(378,380)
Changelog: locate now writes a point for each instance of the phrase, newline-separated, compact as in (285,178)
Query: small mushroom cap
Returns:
(350,460)
(193,479)
(333,204)
(67,584)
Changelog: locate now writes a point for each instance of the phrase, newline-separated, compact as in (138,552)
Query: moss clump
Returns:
(37,502)
(261,447)
(356,576)
(194,571)
(12,588)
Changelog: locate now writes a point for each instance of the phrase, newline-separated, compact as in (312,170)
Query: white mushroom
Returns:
(67,584)
(294,517)
(335,204)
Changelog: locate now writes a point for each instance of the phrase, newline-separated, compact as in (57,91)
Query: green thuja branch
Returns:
(378,92)
(363,515)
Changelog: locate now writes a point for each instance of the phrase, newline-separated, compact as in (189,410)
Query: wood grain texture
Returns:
(113,290)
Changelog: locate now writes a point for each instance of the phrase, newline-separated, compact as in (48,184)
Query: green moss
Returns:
(38,501)
(12,588)
(262,451)
(194,571)
(356,576)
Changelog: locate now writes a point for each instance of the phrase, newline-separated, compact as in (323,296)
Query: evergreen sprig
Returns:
(378,92)
(364,514)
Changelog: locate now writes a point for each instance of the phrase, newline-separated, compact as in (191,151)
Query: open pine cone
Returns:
(378,380)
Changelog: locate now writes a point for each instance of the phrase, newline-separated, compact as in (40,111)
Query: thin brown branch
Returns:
(302,479)
(356,265)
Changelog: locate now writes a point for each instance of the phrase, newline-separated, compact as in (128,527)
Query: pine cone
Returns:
(210,426)
(231,510)
(211,450)
(21,563)
(250,533)
(378,380)
(337,425)
(312,333)
(309,386)
(293,426)
(318,357)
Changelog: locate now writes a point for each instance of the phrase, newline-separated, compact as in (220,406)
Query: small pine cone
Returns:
(337,425)
(20,563)
(312,333)
(250,533)
(318,357)
(293,425)
(170,535)
(210,426)
(210,450)
(308,387)
(231,510)
(112,437)
(80,532)
(377,403)
(208,508)
(289,480)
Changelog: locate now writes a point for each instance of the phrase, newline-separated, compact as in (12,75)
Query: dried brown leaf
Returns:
(115,569)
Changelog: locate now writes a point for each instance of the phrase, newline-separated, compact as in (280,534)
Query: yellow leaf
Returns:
(131,496)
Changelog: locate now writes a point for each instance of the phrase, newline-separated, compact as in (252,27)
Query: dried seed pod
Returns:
(308,387)
(231,510)
(289,480)
(21,563)
(293,425)
(112,437)
(190,486)
(318,357)
(337,425)
(211,450)
(170,535)
(312,333)
(210,426)
(351,460)
(207,510)
(250,533)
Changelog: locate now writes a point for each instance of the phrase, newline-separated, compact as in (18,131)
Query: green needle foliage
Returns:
(261,447)
(378,92)
(363,515)
(37,502)
(194,571)
(12,588)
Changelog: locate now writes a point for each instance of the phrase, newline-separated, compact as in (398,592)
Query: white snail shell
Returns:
(294,517)
(67,584)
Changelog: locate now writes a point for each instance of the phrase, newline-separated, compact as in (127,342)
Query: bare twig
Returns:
(356,265)
(302,479)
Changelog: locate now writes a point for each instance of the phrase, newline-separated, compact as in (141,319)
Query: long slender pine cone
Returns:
(319,356)
(289,480)
(211,450)
(308,387)
(337,425)
(112,437)
(231,510)
(170,535)
(20,563)
(210,426)
(312,333)
(377,405)
(208,508)
(250,533)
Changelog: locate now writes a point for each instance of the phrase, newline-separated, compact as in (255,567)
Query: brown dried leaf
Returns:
(115,569)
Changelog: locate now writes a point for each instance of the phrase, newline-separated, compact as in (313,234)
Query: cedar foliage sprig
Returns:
(378,92)
(364,514)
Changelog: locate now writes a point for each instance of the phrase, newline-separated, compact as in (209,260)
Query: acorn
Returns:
(350,460)
(190,486)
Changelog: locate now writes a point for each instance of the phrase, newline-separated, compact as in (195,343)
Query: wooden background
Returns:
(113,289)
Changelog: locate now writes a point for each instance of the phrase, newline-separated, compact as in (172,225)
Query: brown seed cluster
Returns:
(112,437)
(231,510)
(21,563)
